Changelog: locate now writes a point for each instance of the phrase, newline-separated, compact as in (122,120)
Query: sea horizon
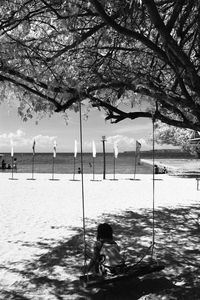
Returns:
(165,151)
(66,163)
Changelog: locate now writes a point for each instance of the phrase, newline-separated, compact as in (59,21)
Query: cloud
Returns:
(122,141)
(148,145)
(132,129)
(18,138)
(44,140)
(126,143)
(22,142)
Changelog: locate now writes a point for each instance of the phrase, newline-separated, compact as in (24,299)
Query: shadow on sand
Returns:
(55,274)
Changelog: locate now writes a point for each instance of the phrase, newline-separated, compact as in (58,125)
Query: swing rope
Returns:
(153,204)
(82,187)
(82,183)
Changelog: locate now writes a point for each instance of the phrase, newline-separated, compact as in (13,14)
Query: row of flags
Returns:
(115,149)
(94,153)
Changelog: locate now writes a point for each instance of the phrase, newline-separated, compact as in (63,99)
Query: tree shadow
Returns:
(177,237)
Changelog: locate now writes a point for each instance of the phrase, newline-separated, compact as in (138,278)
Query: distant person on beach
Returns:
(3,164)
(156,169)
(106,253)
(165,170)
(15,163)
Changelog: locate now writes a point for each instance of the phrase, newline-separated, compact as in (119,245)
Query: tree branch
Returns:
(77,42)
(179,55)
(127,32)
(32,91)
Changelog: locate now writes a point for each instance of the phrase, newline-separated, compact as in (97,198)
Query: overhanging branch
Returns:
(127,32)
(32,91)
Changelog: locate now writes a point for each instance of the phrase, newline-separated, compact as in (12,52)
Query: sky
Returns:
(54,129)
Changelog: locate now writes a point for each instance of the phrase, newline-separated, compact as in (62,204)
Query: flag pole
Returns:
(53,169)
(12,155)
(104,156)
(33,159)
(114,166)
(94,153)
(12,165)
(75,154)
(32,178)
(33,162)
(93,169)
(33,166)
(135,167)
(137,158)
(115,155)
(93,158)
(74,168)
(53,161)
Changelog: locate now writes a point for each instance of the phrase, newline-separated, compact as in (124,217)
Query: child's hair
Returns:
(104,231)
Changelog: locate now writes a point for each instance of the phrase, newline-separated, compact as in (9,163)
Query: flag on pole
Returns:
(115,150)
(93,149)
(137,152)
(12,150)
(138,146)
(75,148)
(33,147)
(54,149)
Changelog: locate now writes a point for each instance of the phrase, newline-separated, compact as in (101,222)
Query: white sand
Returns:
(42,210)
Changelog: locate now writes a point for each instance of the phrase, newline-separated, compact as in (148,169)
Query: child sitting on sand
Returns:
(106,253)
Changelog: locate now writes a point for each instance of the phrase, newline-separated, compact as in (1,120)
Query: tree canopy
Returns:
(55,53)
(181,137)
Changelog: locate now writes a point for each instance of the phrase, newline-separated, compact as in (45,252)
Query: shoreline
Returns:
(181,166)
(173,165)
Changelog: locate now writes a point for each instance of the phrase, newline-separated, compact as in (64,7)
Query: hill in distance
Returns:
(165,153)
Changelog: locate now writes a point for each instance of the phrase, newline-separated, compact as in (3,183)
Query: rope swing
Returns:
(153,199)
(131,271)
(82,183)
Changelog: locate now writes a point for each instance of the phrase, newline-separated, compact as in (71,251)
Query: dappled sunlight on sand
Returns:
(42,238)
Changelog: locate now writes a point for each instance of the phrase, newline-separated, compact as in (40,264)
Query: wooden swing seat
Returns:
(92,280)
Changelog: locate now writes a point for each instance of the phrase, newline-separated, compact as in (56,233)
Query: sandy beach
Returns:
(41,236)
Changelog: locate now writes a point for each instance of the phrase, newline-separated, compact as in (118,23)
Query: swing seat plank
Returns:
(91,280)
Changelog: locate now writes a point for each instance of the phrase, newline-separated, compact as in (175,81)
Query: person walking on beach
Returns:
(3,164)
(106,252)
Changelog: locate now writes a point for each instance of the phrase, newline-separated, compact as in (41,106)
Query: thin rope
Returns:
(153,207)
(82,185)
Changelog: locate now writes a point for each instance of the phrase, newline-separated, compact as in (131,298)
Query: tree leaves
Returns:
(171,135)
(106,51)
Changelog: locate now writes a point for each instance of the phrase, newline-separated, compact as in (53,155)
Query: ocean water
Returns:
(64,163)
